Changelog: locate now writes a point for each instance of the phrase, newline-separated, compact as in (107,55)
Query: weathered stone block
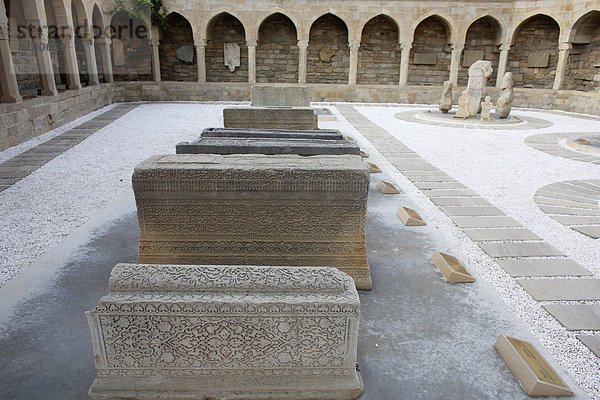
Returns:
(323,134)
(280,96)
(270,146)
(222,332)
(270,118)
(254,210)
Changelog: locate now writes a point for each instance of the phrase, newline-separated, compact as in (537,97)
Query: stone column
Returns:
(251,61)
(107,66)
(8,77)
(455,62)
(154,44)
(90,58)
(73,81)
(564,49)
(502,63)
(404,63)
(201,59)
(302,60)
(354,46)
(42,55)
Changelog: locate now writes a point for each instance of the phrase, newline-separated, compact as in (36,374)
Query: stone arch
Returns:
(98,32)
(582,72)
(23,51)
(286,13)
(534,55)
(225,28)
(177,53)
(444,20)
(482,41)
(328,54)
(58,29)
(81,31)
(379,52)
(277,52)
(431,52)
(131,53)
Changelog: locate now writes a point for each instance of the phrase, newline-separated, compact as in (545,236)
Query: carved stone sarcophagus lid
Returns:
(248,209)
(221,332)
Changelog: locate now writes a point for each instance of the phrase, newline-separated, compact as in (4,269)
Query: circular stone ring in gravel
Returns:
(558,144)
(434,117)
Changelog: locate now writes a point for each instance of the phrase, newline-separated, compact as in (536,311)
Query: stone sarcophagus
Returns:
(248,209)
(301,118)
(220,332)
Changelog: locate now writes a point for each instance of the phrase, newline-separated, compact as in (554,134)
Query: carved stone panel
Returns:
(302,118)
(192,331)
(254,210)
(425,59)
(231,56)
(538,59)
(280,96)
(118,53)
(471,56)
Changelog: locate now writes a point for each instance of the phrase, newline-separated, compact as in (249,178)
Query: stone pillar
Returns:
(564,49)
(302,60)
(502,63)
(251,61)
(404,63)
(73,81)
(354,45)
(455,62)
(154,44)
(107,66)
(90,58)
(8,78)
(201,59)
(44,62)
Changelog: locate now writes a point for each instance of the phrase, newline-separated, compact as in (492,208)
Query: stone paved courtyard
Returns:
(518,208)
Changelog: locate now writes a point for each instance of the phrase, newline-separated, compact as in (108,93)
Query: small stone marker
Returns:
(373,168)
(530,368)
(386,187)
(231,56)
(118,52)
(363,154)
(410,217)
(539,59)
(452,268)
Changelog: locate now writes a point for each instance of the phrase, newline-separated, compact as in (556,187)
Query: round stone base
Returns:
(587,144)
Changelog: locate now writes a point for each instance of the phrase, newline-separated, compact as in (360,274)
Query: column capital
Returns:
(200,43)
(154,42)
(251,43)
(457,46)
(565,46)
(354,44)
(303,44)
(505,47)
(89,41)
(103,41)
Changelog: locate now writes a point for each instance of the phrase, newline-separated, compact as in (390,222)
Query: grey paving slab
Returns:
(569,211)
(591,342)
(4,187)
(485,222)
(472,211)
(431,178)
(580,191)
(576,317)
(8,181)
(4,174)
(486,235)
(586,184)
(460,201)
(562,289)
(520,249)
(592,231)
(564,203)
(440,185)
(412,167)
(449,193)
(528,267)
(555,195)
(577,220)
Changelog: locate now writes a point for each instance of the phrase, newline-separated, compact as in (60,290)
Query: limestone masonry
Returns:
(221,332)
(254,210)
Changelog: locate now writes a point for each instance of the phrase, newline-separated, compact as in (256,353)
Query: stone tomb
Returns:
(321,134)
(270,118)
(280,96)
(254,210)
(220,332)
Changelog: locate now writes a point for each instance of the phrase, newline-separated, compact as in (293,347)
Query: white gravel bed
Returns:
(500,167)
(39,211)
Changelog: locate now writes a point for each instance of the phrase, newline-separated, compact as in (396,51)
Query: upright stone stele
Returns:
(479,73)
(504,104)
(463,105)
(279,96)
(446,100)
(225,332)
(486,109)
(248,209)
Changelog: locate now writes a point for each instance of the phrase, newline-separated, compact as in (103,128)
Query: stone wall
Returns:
(26,67)
(138,54)
(277,51)
(430,39)
(379,53)
(539,34)
(583,70)
(82,62)
(178,34)
(225,29)
(99,63)
(328,34)
(481,36)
